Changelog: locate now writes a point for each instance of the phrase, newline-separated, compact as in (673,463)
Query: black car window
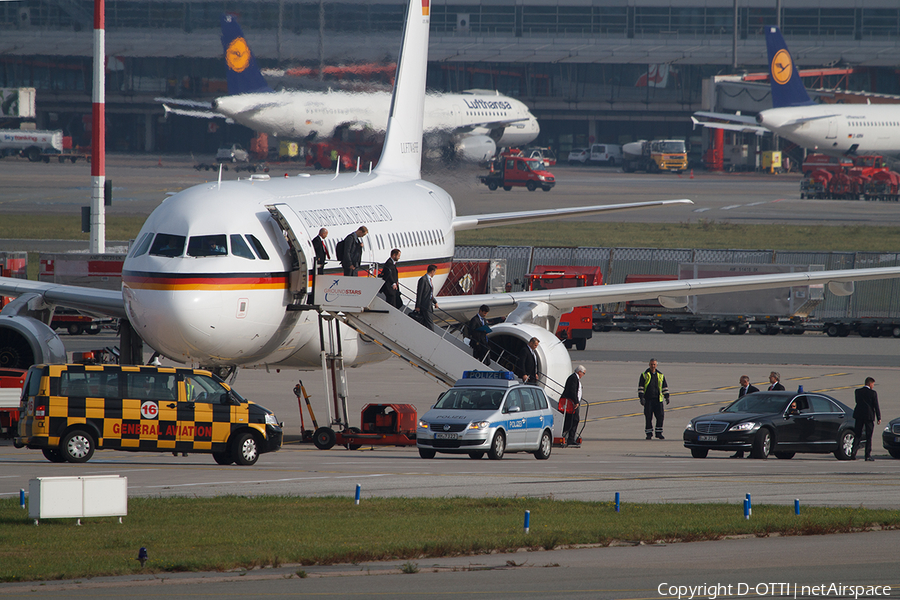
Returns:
(803,405)
(528,400)
(823,405)
(514,399)
(759,402)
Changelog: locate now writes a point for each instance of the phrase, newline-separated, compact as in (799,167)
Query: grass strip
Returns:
(231,532)
(705,234)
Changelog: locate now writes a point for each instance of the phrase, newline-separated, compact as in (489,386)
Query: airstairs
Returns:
(438,353)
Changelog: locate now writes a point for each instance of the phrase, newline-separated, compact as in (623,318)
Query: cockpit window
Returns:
(207,245)
(257,245)
(141,247)
(167,244)
(240,248)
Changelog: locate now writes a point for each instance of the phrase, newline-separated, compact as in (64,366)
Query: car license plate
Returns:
(445,436)
(707,438)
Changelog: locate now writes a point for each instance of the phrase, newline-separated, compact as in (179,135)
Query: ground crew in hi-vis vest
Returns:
(652,390)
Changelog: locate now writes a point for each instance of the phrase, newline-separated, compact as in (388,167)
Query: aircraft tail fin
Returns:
(244,76)
(402,153)
(787,88)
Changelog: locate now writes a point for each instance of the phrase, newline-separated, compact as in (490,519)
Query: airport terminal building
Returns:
(591,70)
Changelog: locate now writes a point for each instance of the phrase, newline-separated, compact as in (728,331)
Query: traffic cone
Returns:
(159,162)
(692,173)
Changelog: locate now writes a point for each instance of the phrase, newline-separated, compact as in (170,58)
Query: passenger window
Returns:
(168,245)
(257,245)
(528,402)
(200,388)
(240,248)
(207,245)
(141,247)
(152,386)
(513,400)
(823,405)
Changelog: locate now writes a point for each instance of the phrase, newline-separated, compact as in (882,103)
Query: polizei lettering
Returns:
(480,104)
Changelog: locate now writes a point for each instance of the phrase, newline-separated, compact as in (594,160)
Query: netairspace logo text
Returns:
(775,590)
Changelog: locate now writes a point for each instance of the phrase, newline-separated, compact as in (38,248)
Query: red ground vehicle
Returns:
(512,169)
(11,383)
(575,327)
(868,177)
(823,162)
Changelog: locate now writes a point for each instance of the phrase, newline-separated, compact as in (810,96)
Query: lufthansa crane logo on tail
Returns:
(782,67)
(238,55)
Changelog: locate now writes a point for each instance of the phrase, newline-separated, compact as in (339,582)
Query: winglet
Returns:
(402,154)
(787,88)
(244,76)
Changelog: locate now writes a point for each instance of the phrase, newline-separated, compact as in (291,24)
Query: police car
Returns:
(488,412)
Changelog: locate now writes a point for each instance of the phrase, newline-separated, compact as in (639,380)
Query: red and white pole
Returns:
(98,132)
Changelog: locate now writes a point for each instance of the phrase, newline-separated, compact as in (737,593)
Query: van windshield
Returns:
(471,399)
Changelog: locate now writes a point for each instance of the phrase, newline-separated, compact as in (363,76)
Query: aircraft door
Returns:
(304,256)
(832,129)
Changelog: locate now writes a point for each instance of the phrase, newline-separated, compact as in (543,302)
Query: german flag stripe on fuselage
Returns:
(248,281)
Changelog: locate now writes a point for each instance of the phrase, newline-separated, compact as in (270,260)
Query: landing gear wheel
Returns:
(222,458)
(350,446)
(476,455)
(762,444)
(53,455)
(845,445)
(530,186)
(77,446)
(543,451)
(427,453)
(245,449)
(699,452)
(498,446)
(324,438)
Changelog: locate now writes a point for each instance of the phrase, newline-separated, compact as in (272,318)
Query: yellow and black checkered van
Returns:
(68,411)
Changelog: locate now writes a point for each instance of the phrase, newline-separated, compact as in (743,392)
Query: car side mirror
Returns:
(231,399)
(513,409)
(723,409)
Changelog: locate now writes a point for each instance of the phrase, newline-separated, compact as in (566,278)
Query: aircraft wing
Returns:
(728,122)
(489,124)
(90,300)
(467,222)
(191,112)
(669,293)
(802,120)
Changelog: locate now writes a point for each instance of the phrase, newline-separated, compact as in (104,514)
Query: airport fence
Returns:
(876,299)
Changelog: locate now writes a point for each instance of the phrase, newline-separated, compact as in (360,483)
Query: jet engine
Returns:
(508,340)
(26,341)
(475,148)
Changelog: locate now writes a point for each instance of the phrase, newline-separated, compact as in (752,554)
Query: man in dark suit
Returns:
(865,413)
(391,287)
(572,393)
(322,254)
(425,301)
(353,248)
(745,389)
(775,382)
(528,362)
(478,329)
(321,249)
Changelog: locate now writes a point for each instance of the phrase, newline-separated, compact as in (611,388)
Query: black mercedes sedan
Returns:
(780,423)
(890,438)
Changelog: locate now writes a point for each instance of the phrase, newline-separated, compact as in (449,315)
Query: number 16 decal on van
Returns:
(68,411)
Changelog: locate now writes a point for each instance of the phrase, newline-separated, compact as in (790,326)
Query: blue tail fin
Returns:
(787,89)
(244,76)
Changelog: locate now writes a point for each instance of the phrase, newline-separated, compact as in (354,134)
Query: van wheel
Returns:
(507,188)
(427,453)
(74,329)
(543,451)
(581,343)
(222,458)
(324,438)
(245,449)
(531,186)
(53,455)
(77,446)
(498,446)
(476,455)
(492,186)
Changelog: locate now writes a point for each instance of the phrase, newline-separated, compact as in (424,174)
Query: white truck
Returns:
(33,144)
